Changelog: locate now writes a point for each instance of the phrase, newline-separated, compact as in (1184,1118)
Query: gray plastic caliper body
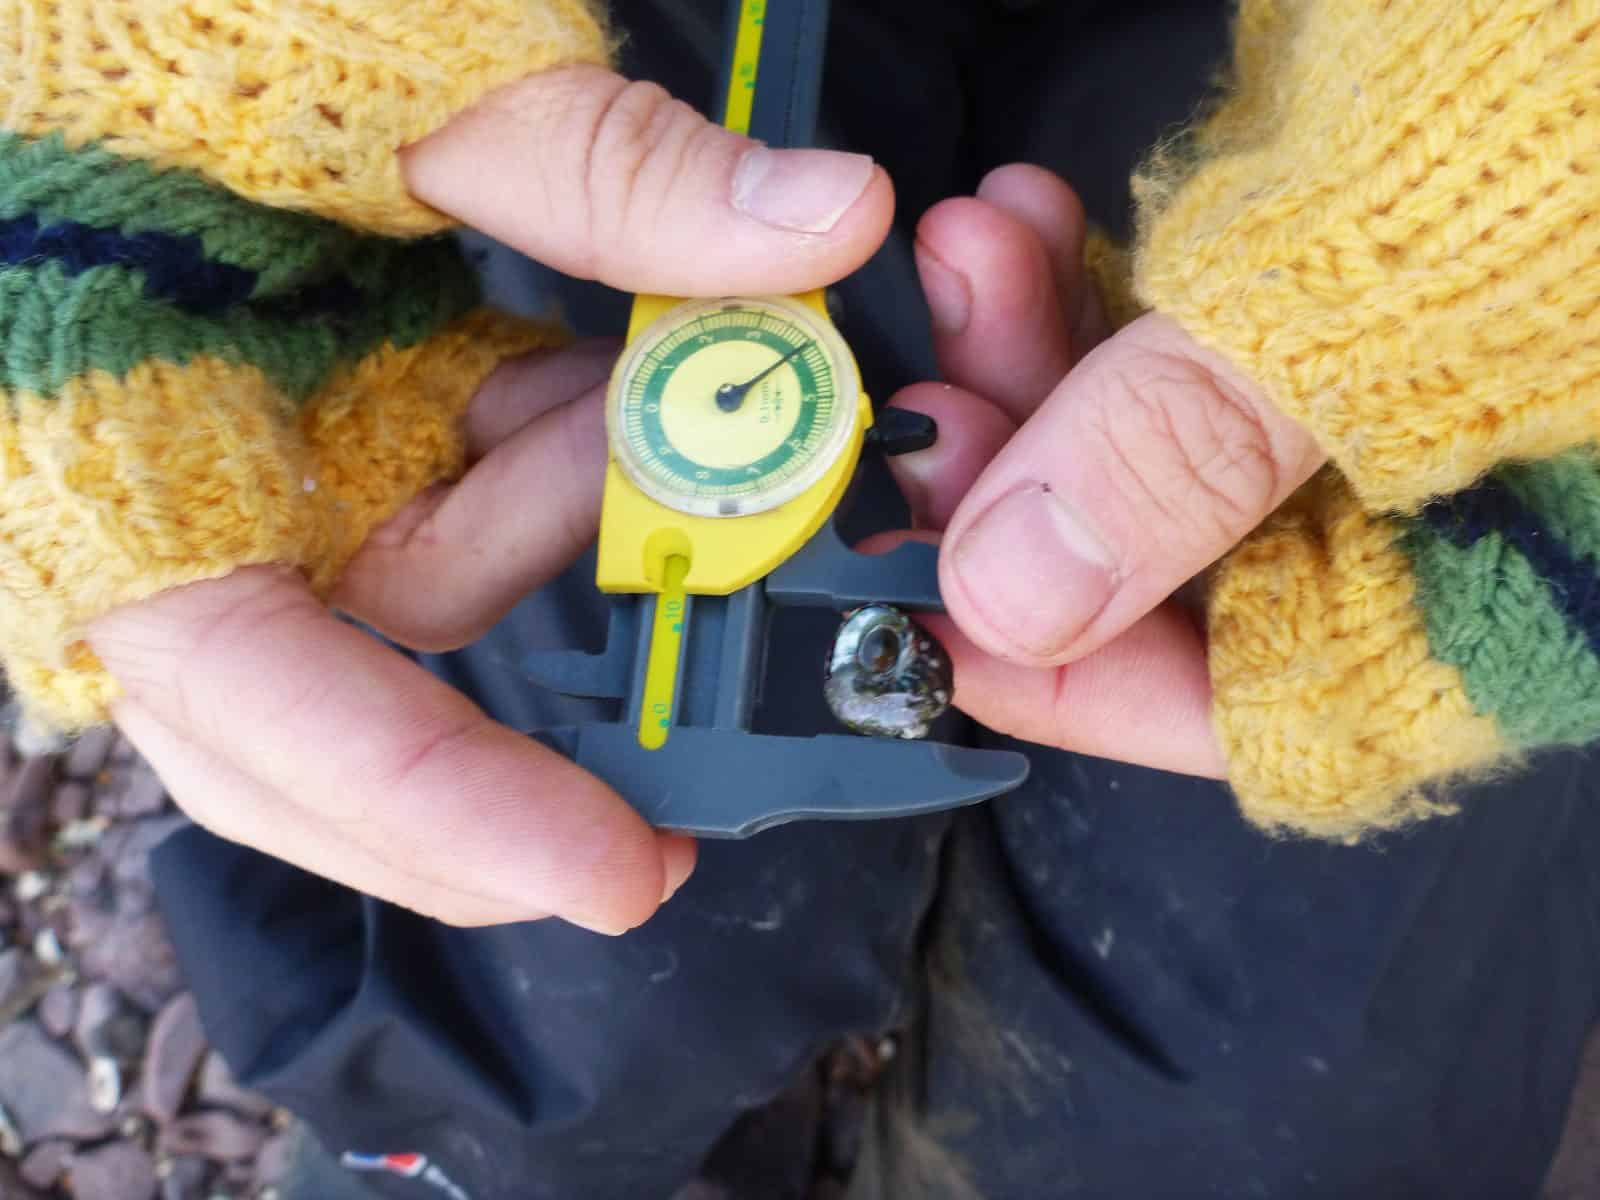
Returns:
(717,778)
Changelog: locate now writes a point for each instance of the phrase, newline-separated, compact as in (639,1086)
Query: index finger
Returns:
(253,669)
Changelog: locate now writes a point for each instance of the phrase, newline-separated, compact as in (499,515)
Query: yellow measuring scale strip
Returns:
(666,648)
(746,65)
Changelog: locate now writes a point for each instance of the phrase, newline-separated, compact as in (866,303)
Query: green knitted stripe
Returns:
(1565,492)
(1491,616)
(54,325)
(93,186)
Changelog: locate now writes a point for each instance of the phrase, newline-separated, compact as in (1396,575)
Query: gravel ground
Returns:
(108,1090)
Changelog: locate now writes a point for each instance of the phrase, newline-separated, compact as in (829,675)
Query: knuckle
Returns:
(1185,446)
(642,137)
(250,610)
(432,753)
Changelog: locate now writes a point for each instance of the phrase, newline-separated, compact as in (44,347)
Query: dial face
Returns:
(729,407)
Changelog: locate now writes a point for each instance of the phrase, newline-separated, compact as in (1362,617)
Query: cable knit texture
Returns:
(215,348)
(1394,227)
(1393,223)
(297,104)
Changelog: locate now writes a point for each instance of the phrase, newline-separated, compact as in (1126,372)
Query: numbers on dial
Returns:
(724,408)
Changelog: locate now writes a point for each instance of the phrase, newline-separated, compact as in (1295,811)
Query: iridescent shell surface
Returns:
(886,675)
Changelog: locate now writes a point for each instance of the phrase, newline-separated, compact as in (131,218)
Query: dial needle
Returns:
(730,396)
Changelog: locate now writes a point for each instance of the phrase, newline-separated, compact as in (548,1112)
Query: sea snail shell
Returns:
(886,676)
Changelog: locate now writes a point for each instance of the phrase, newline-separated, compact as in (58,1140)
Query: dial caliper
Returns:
(736,426)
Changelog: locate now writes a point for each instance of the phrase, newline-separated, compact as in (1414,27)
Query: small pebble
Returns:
(31,738)
(13,1186)
(276,1156)
(133,953)
(219,1089)
(171,1057)
(238,1177)
(58,1010)
(87,876)
(184,1178)
(219,1136)
(128,844)
(105,1084)
(13,976)
(43,1088)
(87,922)
(69,803)
(47,947)
(10,1135)
(108,1026)
(45,1163)
(88,754)
(26,815)
(80,835)
(135,898)
(142,793)
(116,1171)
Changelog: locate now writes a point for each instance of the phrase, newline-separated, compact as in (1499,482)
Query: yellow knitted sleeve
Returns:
(227,334)
(1393,224)
(296,104)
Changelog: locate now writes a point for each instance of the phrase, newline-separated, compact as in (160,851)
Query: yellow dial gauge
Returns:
(723,408)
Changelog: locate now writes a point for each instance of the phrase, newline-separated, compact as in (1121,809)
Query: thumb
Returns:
(1148,462)
(606,179)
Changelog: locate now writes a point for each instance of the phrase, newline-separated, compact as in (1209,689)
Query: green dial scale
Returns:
(736,426)
(694,441)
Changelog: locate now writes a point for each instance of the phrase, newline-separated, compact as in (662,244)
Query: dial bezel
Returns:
(847,387)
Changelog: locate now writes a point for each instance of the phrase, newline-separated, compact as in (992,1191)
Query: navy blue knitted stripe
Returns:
(175,268)
(1491,507)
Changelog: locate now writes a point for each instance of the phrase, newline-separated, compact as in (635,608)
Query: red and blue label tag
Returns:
(406,1166)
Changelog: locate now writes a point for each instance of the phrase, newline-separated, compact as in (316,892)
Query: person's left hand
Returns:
(1077,484)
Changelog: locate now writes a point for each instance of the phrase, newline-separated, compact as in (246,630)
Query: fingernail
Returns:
(916,474)
(914,488)
(948,294)
(599,927)
(678,855)
(802,190)
(1035,570)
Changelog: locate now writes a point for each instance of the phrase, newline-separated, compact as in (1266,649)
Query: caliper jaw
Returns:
(716,778)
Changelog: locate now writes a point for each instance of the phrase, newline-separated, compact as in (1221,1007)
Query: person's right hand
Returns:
(1164,443)
(277,725)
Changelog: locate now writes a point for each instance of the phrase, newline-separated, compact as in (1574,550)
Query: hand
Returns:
(1078,484)
(276,725)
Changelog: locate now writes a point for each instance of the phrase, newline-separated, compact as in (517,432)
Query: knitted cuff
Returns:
(1391,225)
(1110,269)
(194,383)
(293,103)
(1361,662)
